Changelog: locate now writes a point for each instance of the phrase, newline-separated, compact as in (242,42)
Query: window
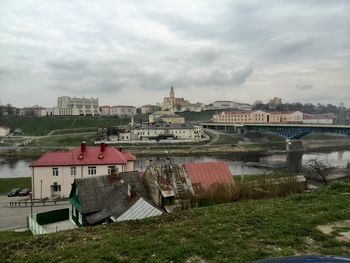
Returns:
(112,168)
(56,187)
(54,171)
(73,171)
(91,170)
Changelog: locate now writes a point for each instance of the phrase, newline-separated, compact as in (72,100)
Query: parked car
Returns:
(25,192)
(14,192)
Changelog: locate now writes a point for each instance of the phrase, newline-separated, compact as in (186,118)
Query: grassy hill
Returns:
(235,232)
(43,125)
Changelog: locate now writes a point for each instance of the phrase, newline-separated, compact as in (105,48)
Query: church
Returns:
(174,104)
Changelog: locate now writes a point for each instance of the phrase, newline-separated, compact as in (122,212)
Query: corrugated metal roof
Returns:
(91,156)
(139,210)
(208,173)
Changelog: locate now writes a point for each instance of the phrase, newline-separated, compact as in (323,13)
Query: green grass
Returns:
(6,236)
(226,139)
(236,232)
(66,141)
(43,125)
(6,184)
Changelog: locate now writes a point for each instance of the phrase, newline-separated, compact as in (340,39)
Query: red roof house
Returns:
(54,172)
(207,174)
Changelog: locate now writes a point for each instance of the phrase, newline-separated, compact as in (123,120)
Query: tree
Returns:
(319,169)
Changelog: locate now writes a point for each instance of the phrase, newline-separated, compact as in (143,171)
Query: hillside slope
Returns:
(236,232)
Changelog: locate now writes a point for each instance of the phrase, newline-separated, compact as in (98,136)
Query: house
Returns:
(208,174)
(110,198)
(54,172)
(168,183)
(4,130)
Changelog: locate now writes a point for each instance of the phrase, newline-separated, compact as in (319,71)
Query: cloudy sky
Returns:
(131,52)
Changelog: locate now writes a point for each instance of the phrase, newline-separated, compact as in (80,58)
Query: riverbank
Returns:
(267,148)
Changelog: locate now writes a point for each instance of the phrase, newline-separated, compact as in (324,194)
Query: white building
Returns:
(226,104)
(119,110)
(318,118)
(54,172)
(67,106)
(147,109)
(161,131)
(4,130)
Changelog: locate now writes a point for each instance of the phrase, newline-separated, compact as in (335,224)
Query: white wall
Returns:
(43,179)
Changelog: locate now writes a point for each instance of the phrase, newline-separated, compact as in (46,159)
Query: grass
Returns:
(6,236)
(43,125)
(235,232)
(65,141)
(6,184)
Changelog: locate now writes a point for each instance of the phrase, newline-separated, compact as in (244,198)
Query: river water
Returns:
(239,164)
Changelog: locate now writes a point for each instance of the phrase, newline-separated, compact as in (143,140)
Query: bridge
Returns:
(289,131)
(292,132)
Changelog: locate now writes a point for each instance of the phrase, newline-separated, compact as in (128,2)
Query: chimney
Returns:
(102,147)
(131,190)
(120,149)
(83,147)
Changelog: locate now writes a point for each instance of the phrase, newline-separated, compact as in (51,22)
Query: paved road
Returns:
(11,218)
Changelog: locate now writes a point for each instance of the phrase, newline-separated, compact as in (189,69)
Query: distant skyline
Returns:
(131,52)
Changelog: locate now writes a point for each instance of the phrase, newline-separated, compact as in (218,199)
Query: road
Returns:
(12,218)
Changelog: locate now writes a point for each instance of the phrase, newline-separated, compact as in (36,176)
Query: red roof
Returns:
(209,173)
(91,156)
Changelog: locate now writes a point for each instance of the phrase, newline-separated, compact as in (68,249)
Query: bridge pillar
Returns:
(295,151)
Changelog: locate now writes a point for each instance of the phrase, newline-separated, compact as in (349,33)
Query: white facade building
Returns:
(119,110)
(4,131)
(318,118)
(67,106)
(54,172)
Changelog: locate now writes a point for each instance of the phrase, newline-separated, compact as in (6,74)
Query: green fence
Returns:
(52,216)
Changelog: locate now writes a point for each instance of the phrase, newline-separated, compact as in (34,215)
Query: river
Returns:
(11,167)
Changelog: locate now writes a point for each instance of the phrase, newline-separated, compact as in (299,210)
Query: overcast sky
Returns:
(131,52)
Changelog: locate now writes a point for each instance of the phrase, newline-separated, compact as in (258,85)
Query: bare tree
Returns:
(320,169)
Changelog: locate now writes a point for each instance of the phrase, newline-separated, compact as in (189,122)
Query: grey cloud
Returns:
(283,46)
(304,86)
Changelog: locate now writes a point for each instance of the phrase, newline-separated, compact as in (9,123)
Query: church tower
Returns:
(172,93)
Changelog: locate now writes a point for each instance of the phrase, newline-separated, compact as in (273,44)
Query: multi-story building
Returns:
(174,104)
(159,131)
(225,104)
(286,117)
(319,118)
(76,106)
(147,109)
(35,111)
(258,116)
(165,116)
(119,110)
(54,172)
